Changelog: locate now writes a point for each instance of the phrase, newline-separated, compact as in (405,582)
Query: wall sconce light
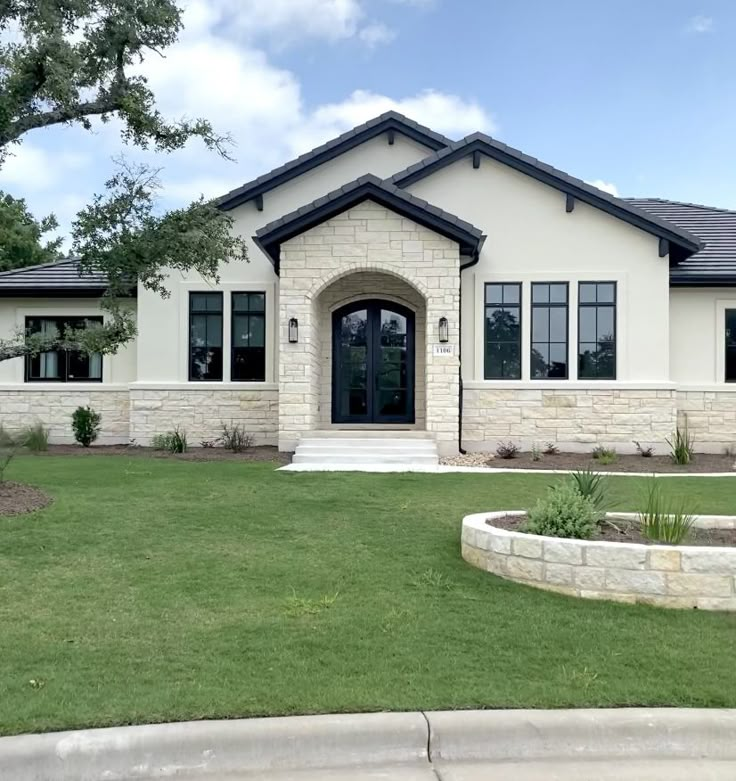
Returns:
(293,330)
(444,330)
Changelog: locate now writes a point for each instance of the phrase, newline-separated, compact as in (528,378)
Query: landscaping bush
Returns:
(86,425)
(236,438)
(604,455)
(681,446)
(563,512)
(551,449)
(507,450)
(593,486)
(173,441)
(644,452)
(536,452)
(35,437)
(662,520)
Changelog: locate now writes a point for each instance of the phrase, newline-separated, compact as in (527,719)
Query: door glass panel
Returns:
(353,364)
(391,368)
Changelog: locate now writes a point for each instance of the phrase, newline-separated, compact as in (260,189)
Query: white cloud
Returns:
(375,34)
(607,187)
(700,24)
(34,168)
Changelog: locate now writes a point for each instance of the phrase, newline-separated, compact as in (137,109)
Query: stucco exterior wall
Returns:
(164,321)
(532,238)
(366,238)
(359,286)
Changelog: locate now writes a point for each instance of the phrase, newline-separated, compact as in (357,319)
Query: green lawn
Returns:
(156,589)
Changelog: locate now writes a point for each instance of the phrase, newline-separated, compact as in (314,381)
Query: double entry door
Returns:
(373,363)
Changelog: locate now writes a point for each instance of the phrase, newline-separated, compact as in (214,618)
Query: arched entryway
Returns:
(373,363)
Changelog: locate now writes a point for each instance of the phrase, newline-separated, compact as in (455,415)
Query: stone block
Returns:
(527,546)
(589,578)
(710,560)
(559,574)
(616,555)
(520,568)
(688,583)
(669,560)
(636,582)
(562,552)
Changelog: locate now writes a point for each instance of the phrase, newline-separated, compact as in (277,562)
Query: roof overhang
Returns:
(389,123)
(480,144)
(713,280)
(270,238)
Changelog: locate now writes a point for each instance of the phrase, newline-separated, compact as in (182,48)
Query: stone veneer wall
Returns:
(665,575)
(369,284)
(710,417)
(53,407)
(202,411)
(574,419)
(367,237)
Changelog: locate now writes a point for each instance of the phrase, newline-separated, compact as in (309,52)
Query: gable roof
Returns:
(482,144)
(387,122)
(715,263)
(59,278)
(368,187)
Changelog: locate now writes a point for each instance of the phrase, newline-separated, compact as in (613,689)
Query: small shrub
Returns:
(604,455)
(86,425)
(35,437)
(507,450)
(644,452)
(172,442)
(662,520)
(593,486)
(236,438)
(210,443)
(681,446)
(551,449)
(536,452)
(563,512)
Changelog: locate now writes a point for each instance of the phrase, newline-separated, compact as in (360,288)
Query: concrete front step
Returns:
(353,447)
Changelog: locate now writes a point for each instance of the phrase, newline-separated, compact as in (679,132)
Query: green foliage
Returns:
(605,455)
(86,425)
(236,438)
(563,512)
(172,442)
(536,452)
(592,486)
(22,234)
(681,446)
(507,450)
(664,520)
(35,437)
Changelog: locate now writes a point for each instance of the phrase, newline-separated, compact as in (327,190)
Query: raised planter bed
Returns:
(683,576)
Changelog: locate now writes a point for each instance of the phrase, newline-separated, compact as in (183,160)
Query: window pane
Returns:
(60,365)
(587,324)
(249,302)
(540,293)
(494,294)
(540,324)
(205,302)
(205,340)
(606,292)
(558,360)
(605,322)
(249,364)
(587,293)
(731,345)
(558,294)
(558,324)
(511,294)
(540,360)
(502,325)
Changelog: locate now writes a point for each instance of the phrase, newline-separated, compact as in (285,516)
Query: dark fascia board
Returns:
(713,280)
(479,142)
(271,236)
(57,292)
(391,121)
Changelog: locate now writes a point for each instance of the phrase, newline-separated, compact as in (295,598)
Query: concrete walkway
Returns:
(525,745)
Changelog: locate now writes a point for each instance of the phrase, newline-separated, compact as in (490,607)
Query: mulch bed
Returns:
(17,498)
(703,462)
(620,530)
(262,453)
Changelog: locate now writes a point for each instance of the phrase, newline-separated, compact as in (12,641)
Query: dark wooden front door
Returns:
(373,363)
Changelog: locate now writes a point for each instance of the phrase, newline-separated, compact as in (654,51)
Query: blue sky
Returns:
(638,96)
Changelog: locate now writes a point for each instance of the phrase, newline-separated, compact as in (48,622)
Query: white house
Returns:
(398,279)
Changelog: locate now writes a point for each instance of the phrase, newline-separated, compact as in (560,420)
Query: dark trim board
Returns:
(716,280)
(569,185)
(390,123)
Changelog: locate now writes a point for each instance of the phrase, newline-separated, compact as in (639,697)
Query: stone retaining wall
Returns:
(681,576)
(202,411)
(710,417)
(53,407)
(574,419)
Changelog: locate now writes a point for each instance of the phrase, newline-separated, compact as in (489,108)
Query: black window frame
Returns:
(726,344)
(597,305)
(201,312)
(62,322)
(247,313)
(502,305)
(549,305)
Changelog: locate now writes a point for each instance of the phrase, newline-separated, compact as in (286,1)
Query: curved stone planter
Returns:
(684,576)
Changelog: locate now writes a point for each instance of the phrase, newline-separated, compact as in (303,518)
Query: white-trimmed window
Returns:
(62,365)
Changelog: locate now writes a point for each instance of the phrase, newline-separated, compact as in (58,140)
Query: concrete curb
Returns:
(202,748)
(209,747)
